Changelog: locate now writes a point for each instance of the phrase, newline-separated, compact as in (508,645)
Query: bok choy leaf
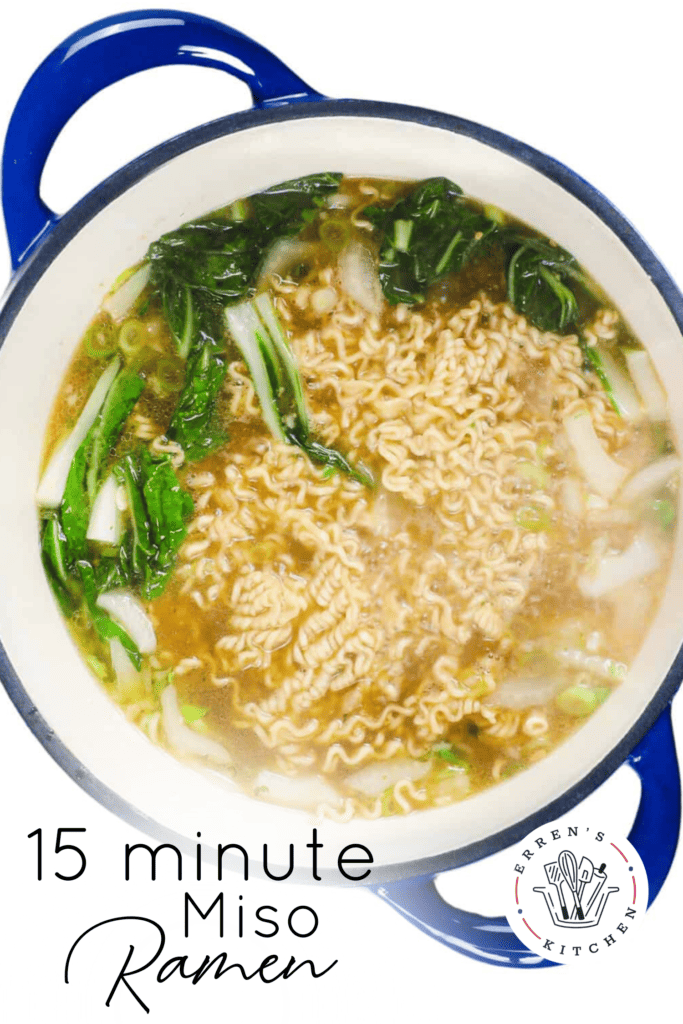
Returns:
(426,235)
(258,334)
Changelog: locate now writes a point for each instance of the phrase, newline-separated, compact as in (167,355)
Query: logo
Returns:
(574,892)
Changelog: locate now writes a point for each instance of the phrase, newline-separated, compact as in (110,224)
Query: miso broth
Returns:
(377,501)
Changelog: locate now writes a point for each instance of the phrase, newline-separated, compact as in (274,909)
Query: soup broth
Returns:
(377,530)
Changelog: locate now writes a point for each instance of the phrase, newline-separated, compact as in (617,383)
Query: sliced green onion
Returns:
(99,341)
(98,667)
(534,473)
(580,701)
(403,229)
(665,512)
(169,375)
(534,518)
(452,756)
(494,213)
(334,234)
(192,713)
(132,337)
(239,211)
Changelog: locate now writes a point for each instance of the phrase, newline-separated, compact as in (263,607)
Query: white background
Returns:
(597,90)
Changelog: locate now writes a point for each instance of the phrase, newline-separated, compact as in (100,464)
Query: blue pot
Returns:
(290,130)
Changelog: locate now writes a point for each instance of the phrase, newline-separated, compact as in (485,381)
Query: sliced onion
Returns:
(649,480)
(374,778)
(127,675)
(524,692)
(125,609)
(359,277)
(182,738)
(613,571)
(53,481)
(282,256)
(119,303)
(604,668)
(600,471)
(307,791)
(106,520)
(647,382)
(623,391)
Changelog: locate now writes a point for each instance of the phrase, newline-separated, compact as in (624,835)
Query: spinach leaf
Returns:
(426,235)
(537,284)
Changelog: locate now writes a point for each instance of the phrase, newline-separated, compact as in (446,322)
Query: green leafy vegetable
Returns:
(105,627)
(168,508)
(121,397)
(428,234)
(537,283)
(54,554)
(193,422)
(258,334)
(207,264)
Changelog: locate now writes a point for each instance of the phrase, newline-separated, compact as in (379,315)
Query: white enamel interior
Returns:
(33,361)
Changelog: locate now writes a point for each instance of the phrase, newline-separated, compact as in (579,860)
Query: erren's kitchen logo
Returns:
(574,891)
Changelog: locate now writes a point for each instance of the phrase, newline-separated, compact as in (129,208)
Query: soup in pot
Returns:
(359,492)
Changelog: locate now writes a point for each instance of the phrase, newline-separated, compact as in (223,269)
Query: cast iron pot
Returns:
(62,268)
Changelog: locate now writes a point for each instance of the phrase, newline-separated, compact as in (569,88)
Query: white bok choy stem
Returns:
(638,560)
(253,341)
(647,383)
(106,519)
(600,471)
(359,278)
(183,738)
(120,302)
(649,480)
(622,392)
(53,481)
(128,612)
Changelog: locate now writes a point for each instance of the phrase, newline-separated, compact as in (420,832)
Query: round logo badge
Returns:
(574,892)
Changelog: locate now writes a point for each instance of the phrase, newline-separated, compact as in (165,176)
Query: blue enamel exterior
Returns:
(491,940)
(116,47)
(104,53)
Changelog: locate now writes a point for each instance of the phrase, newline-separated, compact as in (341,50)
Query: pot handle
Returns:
(99,55)
(654,835)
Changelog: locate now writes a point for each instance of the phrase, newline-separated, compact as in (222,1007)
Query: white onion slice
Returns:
(125,609)
(119,303)
(126,673)
(524,692)
(623,391)
(307,791)
(359,277)
(374,778)
(184,739)
(282,255)
(106,520)
(604,668)
(51,487)
(638,560)
(649,480)
(647,383)
(600,471)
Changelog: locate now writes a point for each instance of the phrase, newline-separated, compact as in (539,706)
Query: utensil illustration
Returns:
(553,874)
(585,876)
(568,867)
(602,878)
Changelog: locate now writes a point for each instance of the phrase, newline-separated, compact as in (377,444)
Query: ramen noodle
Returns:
(360,493)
